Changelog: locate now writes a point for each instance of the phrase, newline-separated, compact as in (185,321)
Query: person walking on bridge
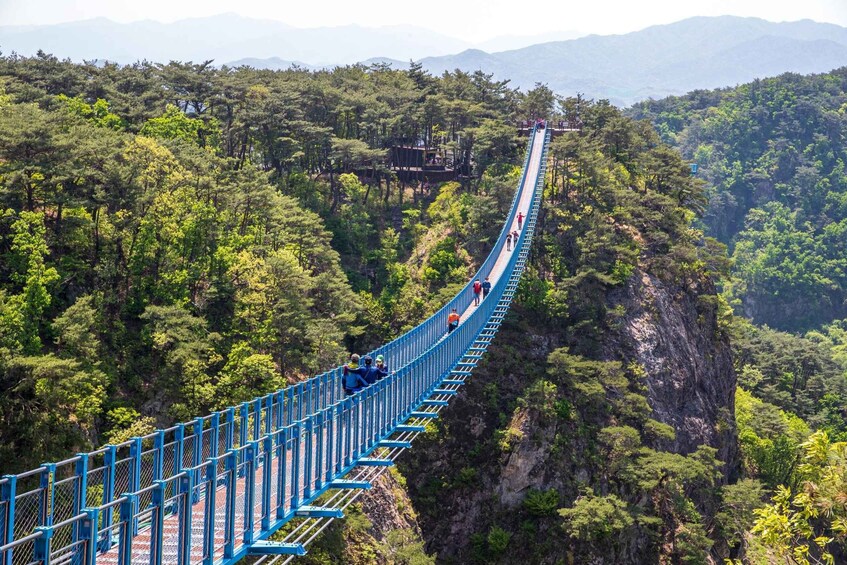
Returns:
(520,220)
(515,236)
(452,321)
(477,288)
(370,373)
(352,376)
(486,287)
(381,367)
(508,242)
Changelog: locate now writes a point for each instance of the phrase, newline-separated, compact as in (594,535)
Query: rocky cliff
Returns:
(489,477)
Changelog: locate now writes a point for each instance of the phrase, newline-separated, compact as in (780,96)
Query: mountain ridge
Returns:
(658,61)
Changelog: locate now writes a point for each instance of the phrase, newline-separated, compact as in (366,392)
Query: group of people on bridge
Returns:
(358,376)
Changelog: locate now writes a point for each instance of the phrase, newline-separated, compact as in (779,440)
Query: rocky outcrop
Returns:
(673,334)
(388,507)
(525,463)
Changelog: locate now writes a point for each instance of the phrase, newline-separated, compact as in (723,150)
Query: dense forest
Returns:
(773,155)
(178,238)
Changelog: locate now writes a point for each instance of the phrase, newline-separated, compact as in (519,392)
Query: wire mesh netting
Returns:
(63,547)
(22,554)
(222,437)
(221,482)
(188,453)
(123,468)
(109,543)
(207,443)
(27,506)
(241,502)
(148,463)
(64,496)
(257,491)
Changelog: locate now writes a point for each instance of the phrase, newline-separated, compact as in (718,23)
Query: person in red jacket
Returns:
(520,220)
(477,288)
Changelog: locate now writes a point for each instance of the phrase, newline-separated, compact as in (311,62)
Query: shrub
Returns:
(541,502)
(498,540)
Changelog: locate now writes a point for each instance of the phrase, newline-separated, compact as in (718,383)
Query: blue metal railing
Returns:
(255,464)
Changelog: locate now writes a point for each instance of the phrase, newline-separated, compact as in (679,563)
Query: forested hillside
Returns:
(175,239)
(178,238)
(773,155)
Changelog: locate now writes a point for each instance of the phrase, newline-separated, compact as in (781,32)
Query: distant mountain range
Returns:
(664,60)
(702,52)
(227,37)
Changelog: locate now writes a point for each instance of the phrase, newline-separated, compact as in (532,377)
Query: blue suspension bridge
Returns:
(214,490)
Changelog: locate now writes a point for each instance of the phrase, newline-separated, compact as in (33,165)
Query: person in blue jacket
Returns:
(370,373)
(381,367)
(353,376)
(486,287)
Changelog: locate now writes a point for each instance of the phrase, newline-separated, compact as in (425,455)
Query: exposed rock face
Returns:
(673,335)
(388,507)
(490,452)
(524,468)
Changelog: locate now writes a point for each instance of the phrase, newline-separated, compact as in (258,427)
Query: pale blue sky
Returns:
(475,20)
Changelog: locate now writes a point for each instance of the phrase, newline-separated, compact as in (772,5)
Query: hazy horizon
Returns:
(474,21)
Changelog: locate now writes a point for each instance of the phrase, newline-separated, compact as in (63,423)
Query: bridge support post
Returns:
(257,419)
(214,441)
(280,410)
(249,491)
(267,480)
(306,430)
(289,406)
(179,448)
(357,425)
(330,443)
(197,452)
(318,426)
(244,414)
(230,427)
(157,528)
(127,528)
(282,452)
(135,450)
(108,490)
(269,413)
(186,488)
(7,519)
(209,512)
(45,500)
(296,436)
(41,545)
(80,492)
(89,534)
(229,513)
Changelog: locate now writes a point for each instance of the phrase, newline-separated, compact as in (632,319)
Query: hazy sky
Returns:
(474,20)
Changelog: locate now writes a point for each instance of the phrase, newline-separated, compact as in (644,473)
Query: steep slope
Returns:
(600,427)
